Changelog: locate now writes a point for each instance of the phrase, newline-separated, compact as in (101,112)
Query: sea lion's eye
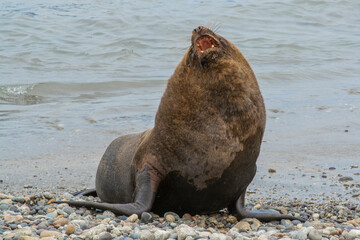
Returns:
(222,40)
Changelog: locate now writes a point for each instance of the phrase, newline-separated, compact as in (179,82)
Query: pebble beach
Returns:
(76,75)
(36,217)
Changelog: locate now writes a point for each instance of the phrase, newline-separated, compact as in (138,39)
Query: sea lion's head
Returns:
(209,49)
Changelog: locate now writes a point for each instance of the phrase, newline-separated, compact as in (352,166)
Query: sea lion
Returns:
(201,154)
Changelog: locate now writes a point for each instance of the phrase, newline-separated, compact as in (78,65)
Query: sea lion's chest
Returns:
(204,150)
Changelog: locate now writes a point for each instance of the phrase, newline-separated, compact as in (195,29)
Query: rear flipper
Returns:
(262,215)
(85,192)
(144,198)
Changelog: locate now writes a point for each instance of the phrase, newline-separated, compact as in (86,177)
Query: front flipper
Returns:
(144,198)
(262,215)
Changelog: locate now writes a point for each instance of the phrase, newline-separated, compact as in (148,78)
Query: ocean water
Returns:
(74,75)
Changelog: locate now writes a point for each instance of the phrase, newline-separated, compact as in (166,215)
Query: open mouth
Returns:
(204,43)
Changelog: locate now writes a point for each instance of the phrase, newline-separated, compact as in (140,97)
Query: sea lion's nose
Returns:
(198,29)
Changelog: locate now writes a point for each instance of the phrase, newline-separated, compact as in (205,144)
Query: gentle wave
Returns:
(51,91)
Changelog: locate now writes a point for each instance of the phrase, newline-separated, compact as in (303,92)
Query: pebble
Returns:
(183,231)
(34,219)
(132,218)
(68,210)
(70,229)
(242,226)
(106,236)
(49,234)
(314,234)
(170,218)
(353,234)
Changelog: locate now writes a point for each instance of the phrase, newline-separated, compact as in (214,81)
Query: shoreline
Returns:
(34,216)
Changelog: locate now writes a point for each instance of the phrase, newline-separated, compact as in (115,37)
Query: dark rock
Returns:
(146,217)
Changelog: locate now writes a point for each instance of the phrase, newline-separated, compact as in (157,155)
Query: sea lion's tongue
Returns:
(205,43)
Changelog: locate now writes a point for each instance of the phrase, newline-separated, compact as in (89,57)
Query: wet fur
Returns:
(201,154)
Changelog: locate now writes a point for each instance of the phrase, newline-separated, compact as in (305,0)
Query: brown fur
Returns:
(205,117)
(201,154)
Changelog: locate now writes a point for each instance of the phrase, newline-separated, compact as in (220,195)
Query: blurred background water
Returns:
(74,76)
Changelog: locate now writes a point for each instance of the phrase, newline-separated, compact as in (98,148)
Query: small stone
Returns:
(4,206)
(135,236)
(10,218)
(354,166)
(271,170)
(49,234)
(316,216)
(48,195)
(187,216)
(68,210)
(132,218)
(60,222)
(257,206)
(353,234)
(28,186)
(299,235)
(330,231)
(170,218)
(255,225)
(52,214)
(218,236)
(105,236)
(345,179)
(231,219)
(242,226)
(7,201)
(92,232)
(146,235)
(109,214)
(70,229)
(172,214)
(161,234)
(84,227)
(28,238)
(184,231)
(314,234)
(286,222)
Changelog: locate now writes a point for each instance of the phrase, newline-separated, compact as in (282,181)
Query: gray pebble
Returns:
(4,206)
(68,210)
(146,217)
(52,214)
(48,195)
(13,226)
(18,199)
(286,222)
(174,235)
(84,227)
(135,236)
(315,235)
(38,232)
(299,235)
(13,208)
(296,222)
(105,236)
(307,224)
